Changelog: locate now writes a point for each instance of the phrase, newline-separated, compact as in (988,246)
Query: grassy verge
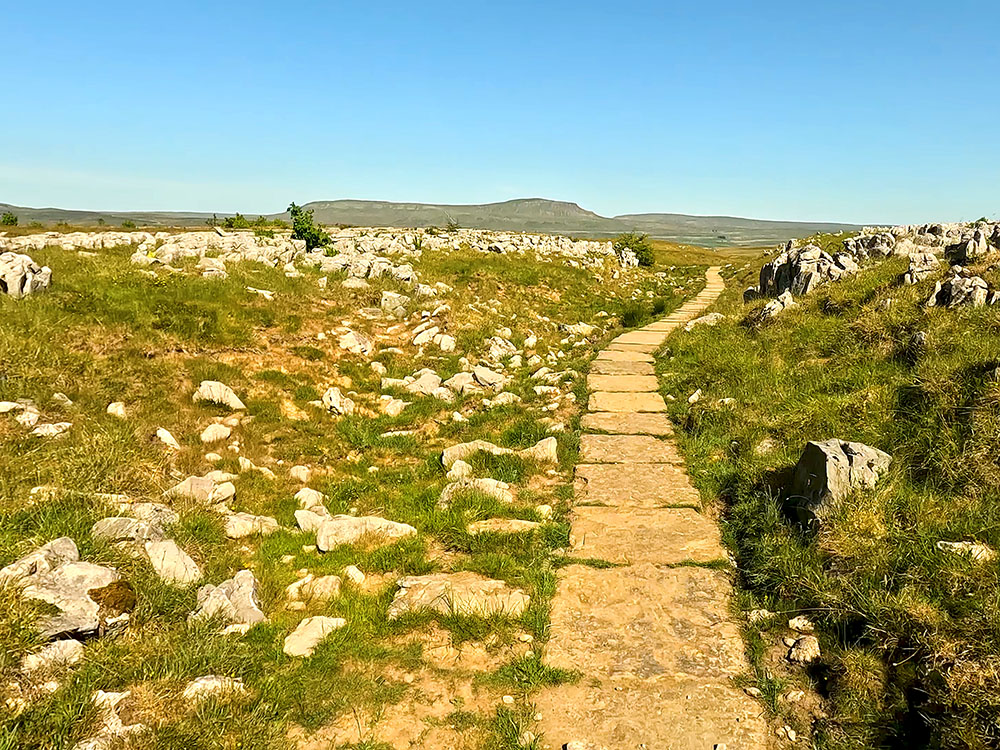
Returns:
(910,634)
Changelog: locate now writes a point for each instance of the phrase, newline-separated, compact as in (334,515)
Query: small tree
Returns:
(304,228)
(639,244)
(8,219)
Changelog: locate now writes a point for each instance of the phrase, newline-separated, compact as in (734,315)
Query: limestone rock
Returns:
(309,633)
(171,563)
(21,276)
(804,650)
(300,474)
(167,439)
(233,601)
(218,393)
(961,291)
(46,558)
(976,550)
(830,470)
(705,320)
(317,589)
(56,655)
(343,529)
(68,587)
(491,487)
(215,432)
(211,686)
(463,593)
(117,409)
(239,525)
(502,526)
(337,403)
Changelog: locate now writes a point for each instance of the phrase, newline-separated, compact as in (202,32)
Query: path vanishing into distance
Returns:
(651,636)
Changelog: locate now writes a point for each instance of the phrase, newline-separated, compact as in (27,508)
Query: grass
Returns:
(108,331)
(910,634)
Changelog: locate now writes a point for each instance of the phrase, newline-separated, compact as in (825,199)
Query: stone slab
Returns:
(675,715)
(643,348)
(628,423)
(627,449)
(633,485)
(611,367)
(644,622)
(622,383)
(622,356)
(632,536)
(641,337)
(648,402)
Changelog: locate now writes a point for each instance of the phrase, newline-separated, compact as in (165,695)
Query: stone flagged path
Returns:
(653,638)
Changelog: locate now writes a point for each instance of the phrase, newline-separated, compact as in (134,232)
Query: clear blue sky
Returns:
(850,111)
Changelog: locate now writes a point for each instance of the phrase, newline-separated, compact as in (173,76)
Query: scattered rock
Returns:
(117,409)
(309,633)
(112,729)
(300,474)
(315,589)
(167,439)
(976,550)
(342,529)
(491,487)
(804,650)
(709,320)
(337,403)
(502,526)
(21,276)
(212,686)
(215,432)
(239,525)
(463,593)
(830,470)
(171,563)
(233,601)
(218,393)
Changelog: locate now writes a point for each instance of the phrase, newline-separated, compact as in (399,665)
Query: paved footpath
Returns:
(652,637)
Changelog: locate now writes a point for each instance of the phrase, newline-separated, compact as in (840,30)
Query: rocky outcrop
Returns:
(922,265)
(800,270)
(830,470)
(962,291)
(21,276)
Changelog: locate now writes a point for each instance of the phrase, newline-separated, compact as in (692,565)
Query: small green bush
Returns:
(304,228)
(8,219)
(128,224)
(639,244)
(239,221)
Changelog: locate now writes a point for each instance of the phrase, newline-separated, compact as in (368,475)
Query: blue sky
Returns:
(849,111)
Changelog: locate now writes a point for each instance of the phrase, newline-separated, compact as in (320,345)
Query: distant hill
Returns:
(521,215)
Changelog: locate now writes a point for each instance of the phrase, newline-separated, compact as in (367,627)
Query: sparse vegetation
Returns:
(909,633)
(8,219)
(150,340)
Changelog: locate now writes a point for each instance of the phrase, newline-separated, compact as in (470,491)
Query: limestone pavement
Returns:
(652,637)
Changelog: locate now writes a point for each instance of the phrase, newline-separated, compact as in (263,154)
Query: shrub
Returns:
(239,221)
(634,314)
(304,228)
(8,219)
(128,224)
(639,244)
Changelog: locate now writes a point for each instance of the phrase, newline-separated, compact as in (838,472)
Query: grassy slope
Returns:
(106,332)
(910,635)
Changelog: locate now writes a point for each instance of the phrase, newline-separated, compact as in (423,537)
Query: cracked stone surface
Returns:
(628,449)
(621,383)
